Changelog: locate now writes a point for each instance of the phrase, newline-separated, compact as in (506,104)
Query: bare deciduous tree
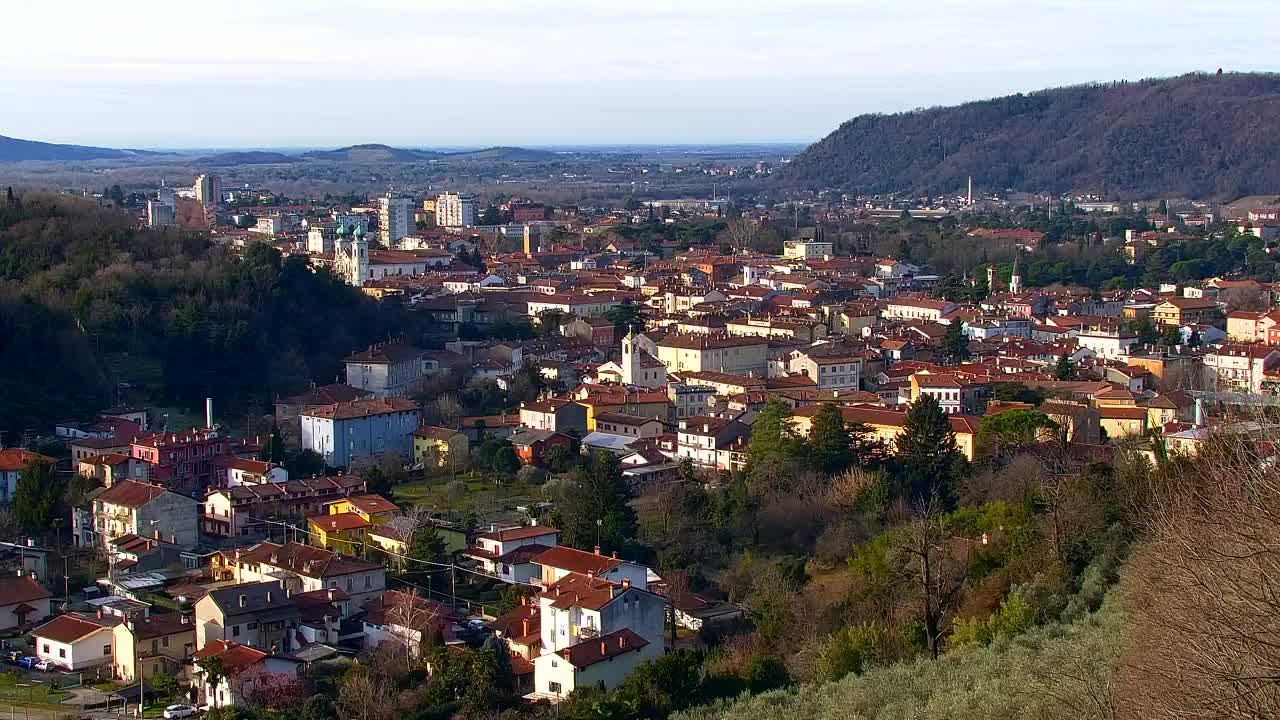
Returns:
(934,566)
(411,619)
(1204,593)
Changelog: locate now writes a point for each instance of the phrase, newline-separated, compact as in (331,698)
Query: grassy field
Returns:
(13,690)
(440,494)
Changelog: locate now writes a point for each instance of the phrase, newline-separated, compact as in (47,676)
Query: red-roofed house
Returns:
(508,554)
(23,600)
(75,642)
(247,669)
(12,460)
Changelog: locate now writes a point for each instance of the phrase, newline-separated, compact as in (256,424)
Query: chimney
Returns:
(524,625)
(208,412)
(615,554)
(622,641)
(99,611)
(1200,412)
(183,619)
(604,648)
(173,539)
(19,572)
(156,533)
(597,549)
(269,597)
(626,583)
(332,594)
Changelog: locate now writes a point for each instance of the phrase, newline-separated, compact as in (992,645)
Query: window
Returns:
(44,648)
(235,631)
(106,649)
(368,581)
(555,664)
(155,647)
(251,626)
(62,652)
(164,641)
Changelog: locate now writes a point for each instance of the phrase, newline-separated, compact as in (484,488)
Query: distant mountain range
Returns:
(1201,136)
(15,150)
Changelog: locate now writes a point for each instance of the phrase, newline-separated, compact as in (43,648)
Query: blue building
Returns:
(346,432)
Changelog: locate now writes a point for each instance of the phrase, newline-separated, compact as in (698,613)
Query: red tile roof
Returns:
(14,459)
(577,561)
(338,522)
(130,493)
(610,645)
(67,629)
(520,533)
(18,589)
(236,658)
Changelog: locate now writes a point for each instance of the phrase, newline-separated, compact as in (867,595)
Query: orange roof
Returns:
(567,558)
(14,459)
(235,657)
(339,522)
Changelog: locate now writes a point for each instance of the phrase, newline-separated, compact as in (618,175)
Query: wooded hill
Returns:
(1199,136)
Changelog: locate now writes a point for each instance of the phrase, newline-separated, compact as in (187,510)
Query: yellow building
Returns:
(345,528)
(1120,422)
(395,536)
(1185,311)
(721,353)
(439,447)
(887,425)
(165,642)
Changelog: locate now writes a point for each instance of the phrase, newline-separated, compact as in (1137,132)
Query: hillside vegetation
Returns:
(88,301)
(1202,136)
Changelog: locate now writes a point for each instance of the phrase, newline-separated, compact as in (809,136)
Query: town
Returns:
(609,438)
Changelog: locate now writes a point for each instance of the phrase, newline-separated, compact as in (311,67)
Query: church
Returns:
(351,256)
(637,367)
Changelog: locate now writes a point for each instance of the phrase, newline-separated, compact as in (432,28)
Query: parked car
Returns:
(28,662)
(173,712)
(43,666)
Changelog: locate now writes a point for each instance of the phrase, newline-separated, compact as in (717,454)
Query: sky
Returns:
(317,73)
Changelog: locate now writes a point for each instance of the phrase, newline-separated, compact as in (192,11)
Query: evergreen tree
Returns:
(597,507)
(1193,340)
(830,445)
(425,545)
(928,459)
(771,433)
(1172,336)
(1066,370)
(38,497)
(274,451)
(955,343)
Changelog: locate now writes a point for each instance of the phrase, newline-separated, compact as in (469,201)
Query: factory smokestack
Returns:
(208,413)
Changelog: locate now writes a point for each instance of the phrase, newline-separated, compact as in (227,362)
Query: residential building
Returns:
(250,510)
(556,414)
(233,471)
(1240,368)
(710,442)
(305,569)
(130,507)
(455,210)
(183,461)
(807,250)
(392,369)
(262,615)
(247,671)
(1185,311)
(406,621)
(289,410)
(344,433)
(154,643)
(508,553)
(560,561)
(23,600)
(594,632)
(75,641)
(954,395)
(441,448)
(207,190)
(721,353)
(161,214)
(1118,422)
(1107,343)
(346,522)
(395,218)
(12,461)
(829,372)
(909,309)
(887,425)
(531,446)
(689,399)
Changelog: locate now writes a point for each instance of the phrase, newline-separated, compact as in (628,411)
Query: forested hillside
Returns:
(88,302)
(1201,136)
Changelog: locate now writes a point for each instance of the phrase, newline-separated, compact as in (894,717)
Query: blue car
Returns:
(28,662)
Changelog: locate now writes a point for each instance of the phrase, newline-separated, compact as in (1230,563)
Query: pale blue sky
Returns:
(426,72)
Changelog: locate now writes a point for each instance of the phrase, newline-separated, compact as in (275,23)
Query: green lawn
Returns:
(13,690)
(481,496)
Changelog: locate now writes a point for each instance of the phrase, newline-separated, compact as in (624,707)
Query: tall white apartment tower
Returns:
(208,190)
(395,218)
(455,210)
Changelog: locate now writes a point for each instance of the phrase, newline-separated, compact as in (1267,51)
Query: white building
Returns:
(594,632)
(807,250)
(76,642)
(207,190)
(314,569)
(160,213)
(351,257)
(455,210)
(395,218)
(130,507)
(22,600)
(1107,343)
(1240,368)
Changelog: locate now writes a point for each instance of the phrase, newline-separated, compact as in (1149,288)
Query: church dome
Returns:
(359,232)
(342,231)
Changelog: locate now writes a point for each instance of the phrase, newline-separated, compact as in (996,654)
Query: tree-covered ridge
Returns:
(89,302)
(1196,135)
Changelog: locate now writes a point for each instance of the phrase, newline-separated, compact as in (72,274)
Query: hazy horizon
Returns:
(569,72)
